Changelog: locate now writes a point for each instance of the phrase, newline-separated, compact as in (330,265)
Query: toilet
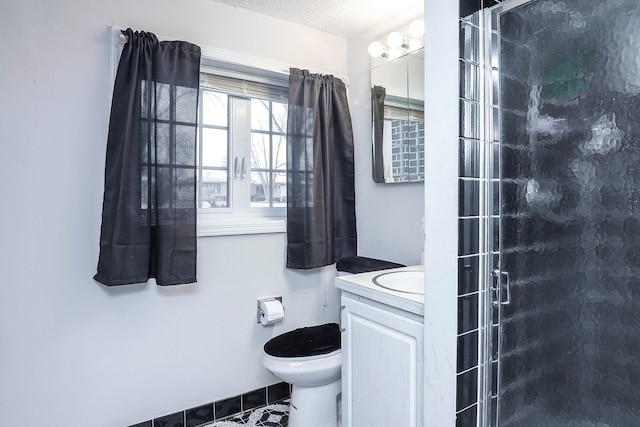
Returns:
(310,359)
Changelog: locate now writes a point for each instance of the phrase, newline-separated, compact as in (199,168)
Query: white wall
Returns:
(389,215)
(73,352)
(441,211)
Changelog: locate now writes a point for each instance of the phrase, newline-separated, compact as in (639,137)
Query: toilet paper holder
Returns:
(263,300)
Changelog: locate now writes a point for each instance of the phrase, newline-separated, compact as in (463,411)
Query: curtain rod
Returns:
(233,57)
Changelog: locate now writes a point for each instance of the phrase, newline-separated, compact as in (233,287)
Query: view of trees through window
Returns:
(268,153)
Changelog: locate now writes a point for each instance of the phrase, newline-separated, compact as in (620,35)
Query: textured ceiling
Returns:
(340,17)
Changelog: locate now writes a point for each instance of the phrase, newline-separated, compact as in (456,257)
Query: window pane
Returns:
(162,147)
(162,97)
(260,155)
(280,152)
(259,114)
(214,148)
(185,110)
(279,117)
(268,190)
(214,189)
(279,192)
(260,189)
(184,149)
(144,187)
(214,108)
(184,179)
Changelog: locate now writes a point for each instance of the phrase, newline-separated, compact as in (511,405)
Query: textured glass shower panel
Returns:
(570,213)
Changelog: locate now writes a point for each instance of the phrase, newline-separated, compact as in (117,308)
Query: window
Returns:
(241,154)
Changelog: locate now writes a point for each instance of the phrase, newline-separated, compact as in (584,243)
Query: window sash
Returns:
(240,214)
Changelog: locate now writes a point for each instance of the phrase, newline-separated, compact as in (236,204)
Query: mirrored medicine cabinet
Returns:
(397,102)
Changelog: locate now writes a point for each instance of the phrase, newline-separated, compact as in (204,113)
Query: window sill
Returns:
(242,226)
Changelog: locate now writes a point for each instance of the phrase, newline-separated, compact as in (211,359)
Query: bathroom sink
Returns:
(402,281)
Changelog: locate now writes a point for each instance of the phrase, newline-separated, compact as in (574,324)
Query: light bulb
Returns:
(376,49)
(394,54)
(414,45)
(395,40)
(416,28)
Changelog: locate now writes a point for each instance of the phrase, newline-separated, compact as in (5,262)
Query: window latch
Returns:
(239,168)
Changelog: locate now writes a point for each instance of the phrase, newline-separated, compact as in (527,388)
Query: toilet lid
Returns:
(309,341)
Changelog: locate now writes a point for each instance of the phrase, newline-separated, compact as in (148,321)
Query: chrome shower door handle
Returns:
(497,289)
(507,287)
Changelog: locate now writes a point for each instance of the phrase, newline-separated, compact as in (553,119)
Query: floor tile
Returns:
(276,415)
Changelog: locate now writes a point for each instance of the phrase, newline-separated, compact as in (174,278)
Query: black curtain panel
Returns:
(378,95)
(321,213)
(149,208)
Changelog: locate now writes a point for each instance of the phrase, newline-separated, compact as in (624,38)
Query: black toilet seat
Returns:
(303,342)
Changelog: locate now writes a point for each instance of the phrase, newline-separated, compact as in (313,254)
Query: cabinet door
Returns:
(381,366)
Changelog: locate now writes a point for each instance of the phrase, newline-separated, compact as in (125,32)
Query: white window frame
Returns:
(239,217)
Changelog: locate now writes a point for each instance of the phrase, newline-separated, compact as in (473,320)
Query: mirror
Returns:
(397,98)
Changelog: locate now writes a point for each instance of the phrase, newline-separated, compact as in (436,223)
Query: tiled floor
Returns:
(276,415)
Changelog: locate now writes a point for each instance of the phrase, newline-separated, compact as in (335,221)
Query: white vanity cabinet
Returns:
(382,363)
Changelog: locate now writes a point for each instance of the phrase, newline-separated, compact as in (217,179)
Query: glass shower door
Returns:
(566,277)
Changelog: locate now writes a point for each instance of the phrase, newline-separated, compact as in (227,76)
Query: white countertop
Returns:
(362,284)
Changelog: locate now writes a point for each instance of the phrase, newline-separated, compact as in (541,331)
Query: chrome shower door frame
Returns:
(494,282)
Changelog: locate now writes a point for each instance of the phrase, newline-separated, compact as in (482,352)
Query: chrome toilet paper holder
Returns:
(260,313)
